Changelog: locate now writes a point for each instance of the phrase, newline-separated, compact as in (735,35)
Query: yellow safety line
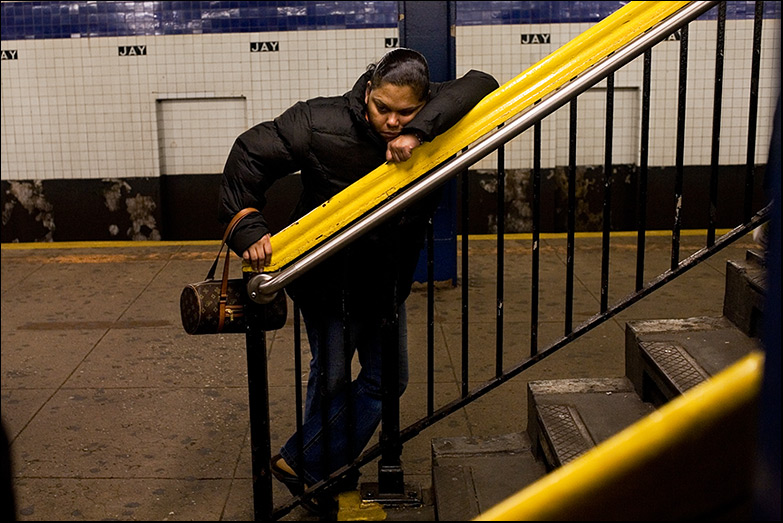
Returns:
(730,390)
(121,244)
(104,244)
(508,100)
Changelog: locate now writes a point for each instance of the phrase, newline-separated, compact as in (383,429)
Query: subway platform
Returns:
(113,412)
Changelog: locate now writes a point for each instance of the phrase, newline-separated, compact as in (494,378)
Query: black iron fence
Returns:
(391,484)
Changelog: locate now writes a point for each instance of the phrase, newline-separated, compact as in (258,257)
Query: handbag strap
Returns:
(226,235)
(211,274)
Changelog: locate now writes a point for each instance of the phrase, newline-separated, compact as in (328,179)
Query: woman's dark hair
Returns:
(402,67)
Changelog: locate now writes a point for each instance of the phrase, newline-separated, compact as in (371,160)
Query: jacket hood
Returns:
(356,97)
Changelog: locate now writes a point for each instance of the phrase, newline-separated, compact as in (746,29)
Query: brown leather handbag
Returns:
(218,306)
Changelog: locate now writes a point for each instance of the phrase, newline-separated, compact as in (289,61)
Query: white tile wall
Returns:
(497,50)
(75,109)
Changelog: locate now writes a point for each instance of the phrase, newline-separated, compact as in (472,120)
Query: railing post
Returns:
(465,275)
(390,474)
(500,260)
(391,488)
(258,403)
(716,119)
(607,219)
(753,107)
(535,247)
(571,227)
(680,149)
(430,318)
(644,148)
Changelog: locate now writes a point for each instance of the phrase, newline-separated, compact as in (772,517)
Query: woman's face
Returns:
(390,107)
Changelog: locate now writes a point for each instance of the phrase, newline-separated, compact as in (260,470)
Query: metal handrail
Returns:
(262,287)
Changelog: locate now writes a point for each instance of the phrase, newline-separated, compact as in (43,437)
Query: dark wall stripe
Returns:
(185,207)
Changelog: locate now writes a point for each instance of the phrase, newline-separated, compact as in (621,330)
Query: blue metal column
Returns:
(427,27)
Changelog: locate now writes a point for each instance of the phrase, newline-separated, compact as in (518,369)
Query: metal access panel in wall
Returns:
(196,134)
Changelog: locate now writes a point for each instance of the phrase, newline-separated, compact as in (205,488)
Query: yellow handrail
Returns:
(508,100)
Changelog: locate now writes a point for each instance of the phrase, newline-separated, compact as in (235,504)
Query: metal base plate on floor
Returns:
(411,497)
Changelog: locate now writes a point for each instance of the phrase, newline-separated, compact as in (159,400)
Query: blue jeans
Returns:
(353,406)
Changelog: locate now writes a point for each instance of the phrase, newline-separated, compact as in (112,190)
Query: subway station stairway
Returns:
(567,419)
(707,477)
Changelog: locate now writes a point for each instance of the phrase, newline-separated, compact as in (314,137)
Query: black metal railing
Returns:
(393,437)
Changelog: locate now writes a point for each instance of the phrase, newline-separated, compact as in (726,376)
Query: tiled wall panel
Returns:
(498,51)
(82,81)
(75,108)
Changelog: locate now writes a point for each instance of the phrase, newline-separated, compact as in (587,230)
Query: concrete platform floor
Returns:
(113,412)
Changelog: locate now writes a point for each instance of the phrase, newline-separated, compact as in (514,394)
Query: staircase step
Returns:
(568,417)
(746,283)
(471,475)
(665,358)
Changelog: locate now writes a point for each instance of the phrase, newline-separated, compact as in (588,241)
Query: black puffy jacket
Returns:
(330,141)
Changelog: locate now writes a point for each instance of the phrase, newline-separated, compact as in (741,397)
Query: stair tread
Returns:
(754,269)
(471,475)
(465,446)
(712,343)
(577,414)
